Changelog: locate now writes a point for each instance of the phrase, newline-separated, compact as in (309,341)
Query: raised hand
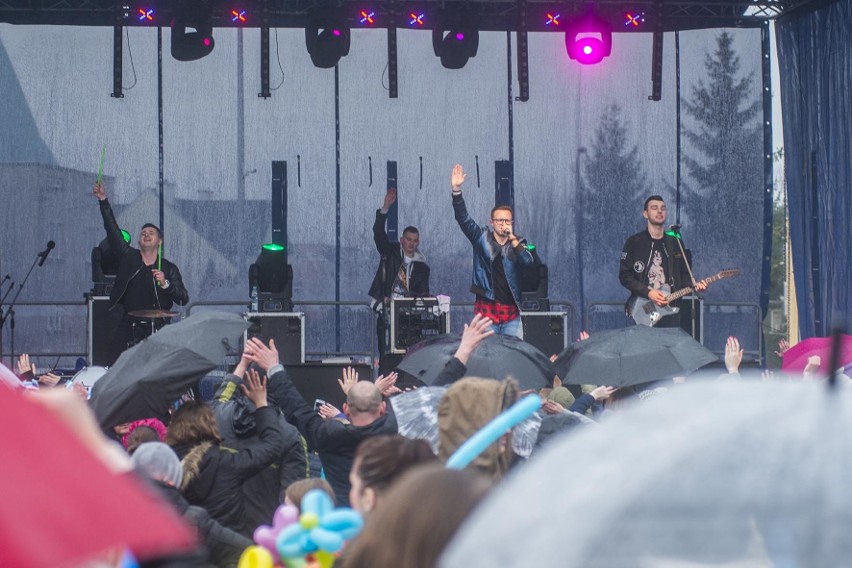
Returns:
(603,393)
(385,384)
(812,367)
(98,191)
(328,411)
(25,368)
(783,345)
(350,377)
(733,355)
(256,352)
(255,388)
(390,198)
(457,177)
(474,333)
(584,335)
(551,407)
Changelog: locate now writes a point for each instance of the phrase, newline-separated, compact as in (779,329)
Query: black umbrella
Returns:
(497,357)
(153,374)
(631,356)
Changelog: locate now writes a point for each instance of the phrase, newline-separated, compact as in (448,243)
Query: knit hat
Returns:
(563,396)
(157,461)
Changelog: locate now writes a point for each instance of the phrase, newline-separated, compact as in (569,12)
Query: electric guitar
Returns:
(646,312)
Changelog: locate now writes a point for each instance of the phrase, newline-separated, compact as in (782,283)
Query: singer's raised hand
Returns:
(457,177)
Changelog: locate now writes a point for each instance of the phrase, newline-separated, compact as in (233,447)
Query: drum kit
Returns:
(150,321)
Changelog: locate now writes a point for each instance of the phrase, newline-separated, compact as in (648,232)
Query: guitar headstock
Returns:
(727,273)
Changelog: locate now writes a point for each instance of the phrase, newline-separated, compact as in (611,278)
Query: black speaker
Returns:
(102,324)
(546,330)
(287,329)
(319,381)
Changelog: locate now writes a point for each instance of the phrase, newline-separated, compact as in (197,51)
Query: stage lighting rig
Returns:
(271,280)
(192,29)
(327,41)
(455,44)
(588,39)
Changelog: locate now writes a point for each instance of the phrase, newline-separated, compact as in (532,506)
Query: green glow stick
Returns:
(101,168)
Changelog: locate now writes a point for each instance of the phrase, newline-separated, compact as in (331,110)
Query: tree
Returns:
(613,185)
(725,164)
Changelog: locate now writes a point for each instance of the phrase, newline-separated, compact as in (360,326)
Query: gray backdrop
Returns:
(588,147)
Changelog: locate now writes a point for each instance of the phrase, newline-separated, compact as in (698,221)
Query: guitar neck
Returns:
(684,291)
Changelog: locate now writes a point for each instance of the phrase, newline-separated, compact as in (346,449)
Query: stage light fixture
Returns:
(367,17)
(416,19)
(455,46)
(192,30)
(327,43)
(271,280)
(588,40)
(239,16)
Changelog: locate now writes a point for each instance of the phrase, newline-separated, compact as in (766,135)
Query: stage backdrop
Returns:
(587,147)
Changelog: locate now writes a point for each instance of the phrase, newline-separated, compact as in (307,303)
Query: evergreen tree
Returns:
(723,157)
(613,188)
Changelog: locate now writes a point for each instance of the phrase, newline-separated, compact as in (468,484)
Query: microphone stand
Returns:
(694,294)
(10,312)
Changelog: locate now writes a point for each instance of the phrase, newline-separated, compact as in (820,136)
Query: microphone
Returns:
(43,254)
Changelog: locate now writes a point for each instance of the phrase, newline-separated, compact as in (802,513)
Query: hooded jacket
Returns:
(382,286)
(238,427)
(467,406)
(214,474)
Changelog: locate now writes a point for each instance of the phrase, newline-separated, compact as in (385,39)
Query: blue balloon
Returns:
(492,431)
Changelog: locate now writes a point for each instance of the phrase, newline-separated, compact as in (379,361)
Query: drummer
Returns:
(146,285)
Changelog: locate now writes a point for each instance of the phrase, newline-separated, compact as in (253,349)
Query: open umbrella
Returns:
(719,473)
(151,375)
(497,357)
(631,356)
(417,418)
(796,357)
(61,505)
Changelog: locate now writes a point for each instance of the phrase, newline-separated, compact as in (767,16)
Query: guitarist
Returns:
(651,258)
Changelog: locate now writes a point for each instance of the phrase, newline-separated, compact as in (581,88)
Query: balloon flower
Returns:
(311,538)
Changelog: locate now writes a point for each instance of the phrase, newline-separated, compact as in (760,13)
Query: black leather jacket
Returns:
(382,285)
(132,265)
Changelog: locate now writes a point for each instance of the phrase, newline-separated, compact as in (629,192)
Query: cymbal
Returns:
(153,314)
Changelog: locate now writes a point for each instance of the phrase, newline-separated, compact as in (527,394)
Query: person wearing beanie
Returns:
(145,280)
(159,464)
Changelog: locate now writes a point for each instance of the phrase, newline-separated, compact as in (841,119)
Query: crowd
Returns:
(226,465)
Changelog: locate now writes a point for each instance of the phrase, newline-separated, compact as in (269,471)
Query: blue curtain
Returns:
(815,57)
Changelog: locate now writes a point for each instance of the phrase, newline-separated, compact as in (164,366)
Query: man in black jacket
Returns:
(652,260)
(145,281)
(334,440)
(402,273)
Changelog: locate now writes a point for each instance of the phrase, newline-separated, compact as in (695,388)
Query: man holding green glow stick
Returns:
(146,285)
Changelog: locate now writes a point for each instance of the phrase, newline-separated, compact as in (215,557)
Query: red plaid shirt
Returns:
(495,311)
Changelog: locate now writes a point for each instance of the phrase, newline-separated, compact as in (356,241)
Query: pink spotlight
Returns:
(207,42)
(588,40)
(460,36)
(335,32)
(587,49)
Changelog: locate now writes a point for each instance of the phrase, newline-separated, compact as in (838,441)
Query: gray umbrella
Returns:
(151,375)
(718,473)
(631,356)
(497,357)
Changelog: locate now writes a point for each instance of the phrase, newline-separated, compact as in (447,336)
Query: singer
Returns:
(497,254)
(144,281)
(651,261)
